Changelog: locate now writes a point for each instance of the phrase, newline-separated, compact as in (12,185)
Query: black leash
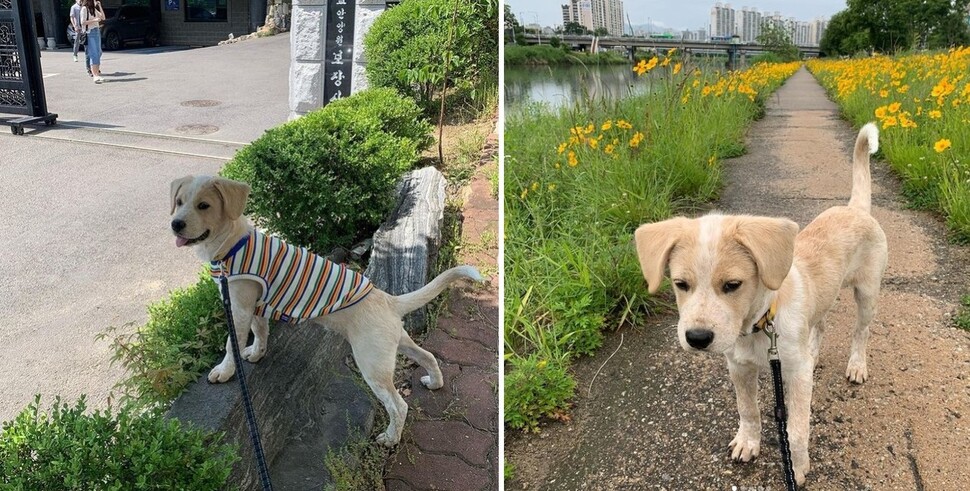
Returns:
(241,375)
(781,415)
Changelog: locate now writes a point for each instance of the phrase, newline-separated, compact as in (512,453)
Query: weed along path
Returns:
(656,417)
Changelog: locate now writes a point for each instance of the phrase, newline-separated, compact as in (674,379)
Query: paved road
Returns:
(83,227)
(659,418)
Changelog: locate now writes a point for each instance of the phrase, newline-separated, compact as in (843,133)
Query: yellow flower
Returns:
(589,128)
(710,161)
(941,145)
(552,187)
(635,141)
(884,93)
(652,63)
(525,192)
(936,114)
(620,123)
(606,125)
(671,51)
(609,149)
(593,142)
(894,107)
(542,364)
(677,68)
(665,62)
(557,165)
(571,158)
(562,147)
(881,112)
(903,89)
(696,83)
(890,121)
(641,67)
(535,186)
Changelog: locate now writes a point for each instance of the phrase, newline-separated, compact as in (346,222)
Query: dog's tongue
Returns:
(180,241)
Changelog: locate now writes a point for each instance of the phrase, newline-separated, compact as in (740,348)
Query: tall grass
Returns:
(578,181)
(547,55)
(922,104)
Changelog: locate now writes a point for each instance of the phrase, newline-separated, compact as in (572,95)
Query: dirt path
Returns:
(659,418)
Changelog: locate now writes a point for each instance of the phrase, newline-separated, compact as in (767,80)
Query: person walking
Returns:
(76,25)
(91,17)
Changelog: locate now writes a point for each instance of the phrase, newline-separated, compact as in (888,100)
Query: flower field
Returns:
(921,103)
(578,181)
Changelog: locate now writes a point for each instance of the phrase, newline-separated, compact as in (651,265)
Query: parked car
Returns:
(125,24)
(128,23)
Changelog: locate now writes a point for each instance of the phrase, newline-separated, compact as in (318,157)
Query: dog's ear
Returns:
(176,185)
(771,242)
(654,242)
(234,195)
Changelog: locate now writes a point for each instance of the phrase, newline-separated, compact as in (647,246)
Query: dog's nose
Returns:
(178,225)
(699,338)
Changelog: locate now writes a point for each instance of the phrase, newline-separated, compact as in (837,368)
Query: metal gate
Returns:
(21,79)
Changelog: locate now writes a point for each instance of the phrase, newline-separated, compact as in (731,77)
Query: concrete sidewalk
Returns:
(660,418)
(84,227)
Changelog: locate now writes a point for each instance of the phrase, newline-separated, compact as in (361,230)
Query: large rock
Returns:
(406,245)
(306,398)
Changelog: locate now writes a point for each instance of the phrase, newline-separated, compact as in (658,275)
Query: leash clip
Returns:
(773,337)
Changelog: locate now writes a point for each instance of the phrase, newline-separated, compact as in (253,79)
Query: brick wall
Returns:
(175,31)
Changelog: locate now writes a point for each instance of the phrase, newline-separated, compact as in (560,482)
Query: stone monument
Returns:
(327,50)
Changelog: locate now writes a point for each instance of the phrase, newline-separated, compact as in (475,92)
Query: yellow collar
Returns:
(768,316)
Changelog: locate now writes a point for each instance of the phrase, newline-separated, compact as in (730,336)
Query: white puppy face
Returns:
(204,206)
(722,268)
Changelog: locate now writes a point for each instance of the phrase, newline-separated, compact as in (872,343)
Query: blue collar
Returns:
(232,252)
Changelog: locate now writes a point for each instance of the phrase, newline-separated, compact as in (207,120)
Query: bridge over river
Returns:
(591,43)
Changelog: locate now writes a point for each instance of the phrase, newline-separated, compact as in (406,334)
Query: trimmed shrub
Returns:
(327,179)
(66,449)
(399,116)
(182,339)
(406,48)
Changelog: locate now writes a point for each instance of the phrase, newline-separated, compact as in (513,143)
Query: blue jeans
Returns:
(93,47)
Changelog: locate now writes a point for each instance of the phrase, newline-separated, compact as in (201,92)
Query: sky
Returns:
(678,14)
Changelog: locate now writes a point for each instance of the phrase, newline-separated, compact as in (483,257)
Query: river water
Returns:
(557,86)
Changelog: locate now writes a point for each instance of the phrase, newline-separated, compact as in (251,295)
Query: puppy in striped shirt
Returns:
(269,279)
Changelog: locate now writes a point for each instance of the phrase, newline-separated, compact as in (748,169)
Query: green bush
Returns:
(399,116)
(327,179)
(406,48)
(66,449)
(530,389)
(181,340)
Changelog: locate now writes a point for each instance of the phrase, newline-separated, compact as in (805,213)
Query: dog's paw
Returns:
(426,380)
(221,373)
(744,448)
(800,473)
(857,372)
(386,439)
(253,353)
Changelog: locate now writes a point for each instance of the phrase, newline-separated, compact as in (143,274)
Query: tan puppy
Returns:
(727,271)
(208,215)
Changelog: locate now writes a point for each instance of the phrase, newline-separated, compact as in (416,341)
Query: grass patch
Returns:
(184,336)
(963,317)
(359,466)
(921,103)
(578,181)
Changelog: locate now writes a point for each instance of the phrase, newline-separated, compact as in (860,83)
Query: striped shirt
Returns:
(297,284)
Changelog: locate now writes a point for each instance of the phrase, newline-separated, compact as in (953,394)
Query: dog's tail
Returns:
(866,143)
(417,299)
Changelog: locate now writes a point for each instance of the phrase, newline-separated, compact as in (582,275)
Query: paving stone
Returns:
(434,403)
(460,351)
(476,390)
(454,437)
(423,470)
